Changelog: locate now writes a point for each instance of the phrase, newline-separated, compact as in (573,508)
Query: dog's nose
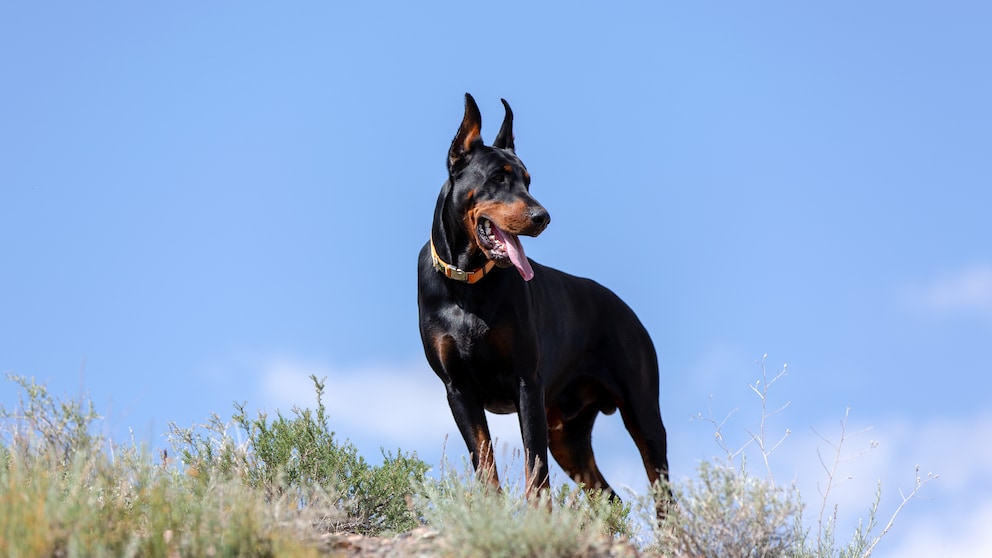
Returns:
(539,217)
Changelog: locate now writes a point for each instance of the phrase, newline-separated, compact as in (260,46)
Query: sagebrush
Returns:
(255,486)
(67,491)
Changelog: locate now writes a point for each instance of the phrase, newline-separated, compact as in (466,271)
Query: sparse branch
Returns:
(905,500)
(718,429)
(759,438)
(831,472)
(715,494)
(761,388)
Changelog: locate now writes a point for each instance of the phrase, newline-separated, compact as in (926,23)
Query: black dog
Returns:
(508,335)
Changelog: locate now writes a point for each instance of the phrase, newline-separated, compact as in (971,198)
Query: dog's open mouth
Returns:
(503,248)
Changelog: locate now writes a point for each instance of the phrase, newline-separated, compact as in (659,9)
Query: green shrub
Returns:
(65,491)
(476,520)
(726,512)
(290,456)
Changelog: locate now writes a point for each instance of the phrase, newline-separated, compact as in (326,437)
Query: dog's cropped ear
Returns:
(469,135)
(504,140)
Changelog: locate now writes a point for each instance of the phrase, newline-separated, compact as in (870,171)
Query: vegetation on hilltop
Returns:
(291,487)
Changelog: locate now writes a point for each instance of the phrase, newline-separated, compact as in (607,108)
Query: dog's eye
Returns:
(500,178)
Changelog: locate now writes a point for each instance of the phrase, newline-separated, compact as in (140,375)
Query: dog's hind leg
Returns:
(570,443)
(643,421)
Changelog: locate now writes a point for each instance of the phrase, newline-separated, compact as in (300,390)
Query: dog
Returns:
(508,335)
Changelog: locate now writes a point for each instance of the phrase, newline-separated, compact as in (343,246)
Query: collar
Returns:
(452,272)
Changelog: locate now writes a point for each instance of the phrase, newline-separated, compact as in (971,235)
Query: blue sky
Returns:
(205,204)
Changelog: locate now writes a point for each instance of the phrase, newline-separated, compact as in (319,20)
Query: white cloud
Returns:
(948,517)
(387,405)
(384,405)
(962,533)
(966,290)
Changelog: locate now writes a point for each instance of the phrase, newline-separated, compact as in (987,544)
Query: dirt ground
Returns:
(426,543)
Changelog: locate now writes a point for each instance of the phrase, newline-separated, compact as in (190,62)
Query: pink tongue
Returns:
(516,253)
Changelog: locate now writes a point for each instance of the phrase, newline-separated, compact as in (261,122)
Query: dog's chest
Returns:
(474,336)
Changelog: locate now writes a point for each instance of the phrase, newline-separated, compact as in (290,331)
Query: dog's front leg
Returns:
(534,431)
(470,416)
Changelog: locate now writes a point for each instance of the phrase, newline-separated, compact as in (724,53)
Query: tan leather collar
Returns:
(452,272)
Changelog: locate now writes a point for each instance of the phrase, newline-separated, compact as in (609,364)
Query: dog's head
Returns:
(491,187)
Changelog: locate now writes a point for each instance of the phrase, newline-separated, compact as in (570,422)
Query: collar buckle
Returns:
(452,272)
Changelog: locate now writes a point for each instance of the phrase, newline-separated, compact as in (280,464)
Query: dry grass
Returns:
(66,491)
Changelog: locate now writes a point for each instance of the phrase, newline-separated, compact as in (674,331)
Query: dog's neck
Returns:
(453,272)
(449,239)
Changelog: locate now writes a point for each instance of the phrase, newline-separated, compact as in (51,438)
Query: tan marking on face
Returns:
(511,218)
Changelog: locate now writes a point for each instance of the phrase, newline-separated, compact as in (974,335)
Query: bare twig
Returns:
(761,388)
(718,429)
(831,471)
(905,500)
(864,542)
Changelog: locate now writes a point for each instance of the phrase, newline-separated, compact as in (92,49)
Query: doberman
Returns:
(554,348)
